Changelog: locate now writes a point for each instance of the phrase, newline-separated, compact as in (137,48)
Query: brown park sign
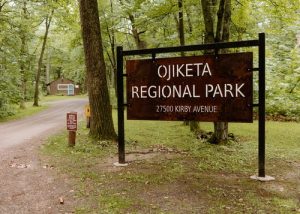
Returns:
(202,88)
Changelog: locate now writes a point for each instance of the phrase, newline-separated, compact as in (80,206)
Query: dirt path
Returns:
(26,186)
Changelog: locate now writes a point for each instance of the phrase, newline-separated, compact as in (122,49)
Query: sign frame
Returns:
(259,43)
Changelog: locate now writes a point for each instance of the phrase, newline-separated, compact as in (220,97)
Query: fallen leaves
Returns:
(48,166)
(19,166)
(61,200)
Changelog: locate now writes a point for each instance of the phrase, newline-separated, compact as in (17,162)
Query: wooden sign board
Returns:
(200,88)
(72,121)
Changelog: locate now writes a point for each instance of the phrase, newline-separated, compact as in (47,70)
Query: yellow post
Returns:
(87,113)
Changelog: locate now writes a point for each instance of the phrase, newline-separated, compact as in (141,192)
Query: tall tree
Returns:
(23,55)
(111,33)
(40,62)
(194,125)
(101,118)
(180,24)
(208,17)
(220,34)
(135,32)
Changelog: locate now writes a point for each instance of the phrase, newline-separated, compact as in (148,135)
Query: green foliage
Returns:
(18,113)
(8,95)
(6,110)
(156,23)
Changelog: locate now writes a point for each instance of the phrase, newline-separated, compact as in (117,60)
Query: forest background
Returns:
(40,41)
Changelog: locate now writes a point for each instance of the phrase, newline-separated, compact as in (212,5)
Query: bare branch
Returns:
(139,33)
(2,5)
(240,3)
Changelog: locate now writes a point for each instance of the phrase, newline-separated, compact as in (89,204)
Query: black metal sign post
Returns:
(261,104)
(120,93)
(260,43)
(262,111)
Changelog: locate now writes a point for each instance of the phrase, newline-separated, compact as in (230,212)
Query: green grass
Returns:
(114,203)
(21,113)
(60,97)
(185,175)
(31,110)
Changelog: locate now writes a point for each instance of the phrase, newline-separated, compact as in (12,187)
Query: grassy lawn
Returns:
(21,113)
(30,110)
(170,171)
(50,98)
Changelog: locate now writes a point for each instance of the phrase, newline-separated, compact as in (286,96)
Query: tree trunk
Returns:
(220,133)
(221,128)
(40,62)
(222,35)
(208,21)
(226,24)
(22,59)
(189,20)
(22,72)
(48,68)
(180,24)
(208,15)
(220,21)
(136,35)
(101,116)
(140,44)
(112,58)
(194,125)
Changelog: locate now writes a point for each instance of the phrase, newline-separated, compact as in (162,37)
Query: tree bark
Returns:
(190,25)
(224,14)
(101,126)
(208,16)
(48,68)
(194,125)
(40,62)
(22,72)
(180,25)
(221,35)
(112,57)
(140,44)
(220,21)
(22,59)
(226,21)
(208,21)
(136,35)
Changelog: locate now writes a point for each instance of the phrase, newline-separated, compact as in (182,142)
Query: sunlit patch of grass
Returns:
(50,98)
(85,150)
(22,113)
(114,203)
(31,110)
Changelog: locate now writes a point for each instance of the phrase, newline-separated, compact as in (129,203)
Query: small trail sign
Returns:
(72,121)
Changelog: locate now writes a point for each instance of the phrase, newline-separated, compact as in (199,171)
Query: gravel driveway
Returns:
(26,184)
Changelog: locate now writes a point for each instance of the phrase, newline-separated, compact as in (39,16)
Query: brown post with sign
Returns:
(72,127)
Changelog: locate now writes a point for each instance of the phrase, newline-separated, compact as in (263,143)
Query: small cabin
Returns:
(63,86)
